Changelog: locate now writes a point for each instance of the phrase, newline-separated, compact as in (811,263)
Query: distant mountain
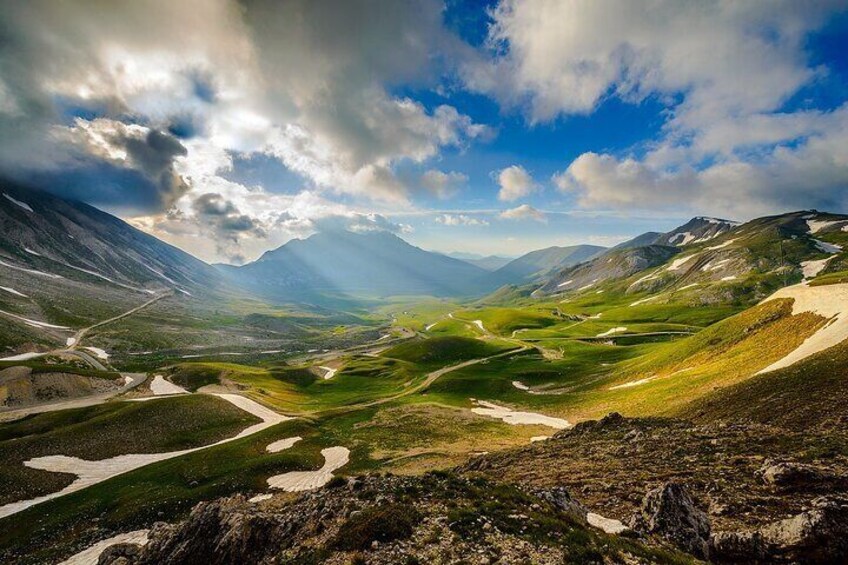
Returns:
(540,263)
(487,262)
(46,237)
(369,264)
(647,238)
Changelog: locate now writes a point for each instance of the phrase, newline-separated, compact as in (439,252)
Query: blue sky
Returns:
(493,127)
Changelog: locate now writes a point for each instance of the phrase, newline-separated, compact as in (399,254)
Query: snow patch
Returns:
(159,386)
(23,357)
(31,252)
(20,204)
(11,290)
(334,458)
(831,302)
(479,324)
(70,341)
(607,525)
(677,263)
(633,383)
(282,444)
(813,268)
(91,555)
(815,226)
(101,354)
(92,472)
(612,331)
(682,238)
(721,245)
(30,271)
(329,374)
(566,283)
(642,301)
(729,278)
(827,247)
(534,439)
(514,418)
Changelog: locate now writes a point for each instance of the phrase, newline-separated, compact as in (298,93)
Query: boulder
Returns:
(785,475)
(819,535)
(669,512)
(119,554)
(737,547)
(561,499)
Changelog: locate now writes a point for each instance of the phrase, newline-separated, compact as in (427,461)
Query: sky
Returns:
(490,127)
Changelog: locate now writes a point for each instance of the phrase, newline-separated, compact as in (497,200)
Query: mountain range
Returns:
(52,247)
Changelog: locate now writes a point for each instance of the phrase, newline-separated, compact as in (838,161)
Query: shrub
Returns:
(382,524)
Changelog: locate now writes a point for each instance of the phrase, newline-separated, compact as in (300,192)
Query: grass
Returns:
(107,430)
(441,351)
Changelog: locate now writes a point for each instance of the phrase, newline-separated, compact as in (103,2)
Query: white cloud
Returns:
(515,182)
(524,212)
(724,71)
(442,185)
(460,220)
(811,173)
(565,56)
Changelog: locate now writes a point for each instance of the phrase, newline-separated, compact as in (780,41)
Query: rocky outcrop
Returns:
(787,475)
(817,535)
(21,386)
(383,520)
(669,512)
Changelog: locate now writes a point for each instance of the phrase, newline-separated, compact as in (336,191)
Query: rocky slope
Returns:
(610,267)
(436,518)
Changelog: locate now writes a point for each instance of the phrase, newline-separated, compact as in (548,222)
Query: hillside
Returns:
(537,264)
(72,240)
(723,262)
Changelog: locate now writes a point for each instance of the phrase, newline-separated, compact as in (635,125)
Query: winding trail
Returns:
(77,339)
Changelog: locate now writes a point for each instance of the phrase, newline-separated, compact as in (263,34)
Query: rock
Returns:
(790,475)
(737,547)
(119,554)
(819,535)
(561,499)
(633,435)
(669,512)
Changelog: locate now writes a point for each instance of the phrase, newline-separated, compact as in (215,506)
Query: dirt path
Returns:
(429,380)
(78,337)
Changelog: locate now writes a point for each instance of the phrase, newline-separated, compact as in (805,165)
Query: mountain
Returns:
(756,257)
(487,262)
(611,266)
(49,237)
(368,264)
(537,264)
(65,265)
(696,230)
(642,240)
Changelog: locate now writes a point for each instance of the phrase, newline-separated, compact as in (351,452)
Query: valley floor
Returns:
(491,393)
